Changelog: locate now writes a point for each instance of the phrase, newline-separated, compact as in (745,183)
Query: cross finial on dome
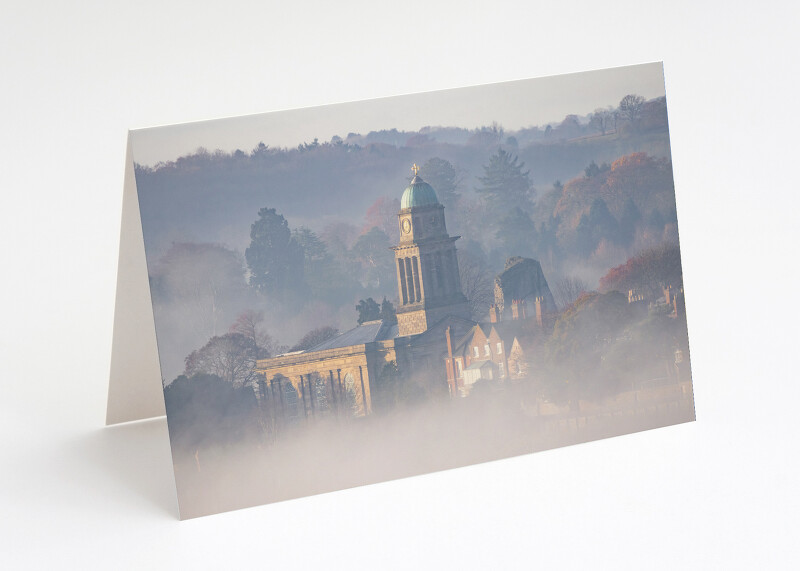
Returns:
(415,168)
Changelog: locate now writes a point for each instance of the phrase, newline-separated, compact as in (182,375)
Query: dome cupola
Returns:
(418,193)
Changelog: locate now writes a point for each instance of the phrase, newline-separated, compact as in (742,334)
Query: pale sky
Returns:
(513,104)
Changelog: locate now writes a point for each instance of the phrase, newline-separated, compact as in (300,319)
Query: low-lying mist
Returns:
(313,456)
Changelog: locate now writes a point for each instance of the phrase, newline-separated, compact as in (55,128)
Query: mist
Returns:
(334,454)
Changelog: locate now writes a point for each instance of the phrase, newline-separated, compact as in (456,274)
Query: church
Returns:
(340,374)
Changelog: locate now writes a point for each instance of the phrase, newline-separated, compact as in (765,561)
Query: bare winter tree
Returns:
(630,107)
(232,357)
(567,290)
(601,119)
(477,283)
(250,323)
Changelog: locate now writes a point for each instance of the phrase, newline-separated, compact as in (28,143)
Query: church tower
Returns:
(428,283)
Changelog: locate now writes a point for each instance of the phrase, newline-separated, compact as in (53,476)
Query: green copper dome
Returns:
(418,193)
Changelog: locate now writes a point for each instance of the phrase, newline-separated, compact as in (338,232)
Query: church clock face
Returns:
(406,226)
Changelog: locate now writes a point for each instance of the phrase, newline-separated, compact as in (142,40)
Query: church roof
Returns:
(367,332)
(418,193)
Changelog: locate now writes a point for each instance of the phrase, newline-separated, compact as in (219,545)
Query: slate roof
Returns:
(507,330)
(367,332)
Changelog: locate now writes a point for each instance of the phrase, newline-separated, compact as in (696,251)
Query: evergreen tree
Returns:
(275,258)
(388,313)
(324,277)
(547,247)
(505,185)
(441,175)
(627,223)
(604,225)
(368,310)
(517,232)
(595,226)
(584,240)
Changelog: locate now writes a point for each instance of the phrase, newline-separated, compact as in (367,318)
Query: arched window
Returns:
(321,395)
(291,402)
(351,395)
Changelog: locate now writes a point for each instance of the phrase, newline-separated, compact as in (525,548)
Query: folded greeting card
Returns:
(328,297)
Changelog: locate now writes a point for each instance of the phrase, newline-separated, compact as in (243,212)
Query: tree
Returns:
(594,170)
(259,151)
(250,324)
(320,273)
(505,184)
(275,258)
(595,226)
(581,336)
(627,222)
(368,310)
(314,249)
(382,214)
(338,238)
(487,136)
(315,337)
(303,147)
(203,410)
(388,313)
(517,232)
(601,119)
(231,357)
(372,251)
(630,107)
(646,349)
(202,282)
(647,271)
(570,127)
(441,175)
(568,289)
(477,282)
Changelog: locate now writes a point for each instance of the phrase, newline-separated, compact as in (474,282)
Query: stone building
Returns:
(428,283)
(494,350)
(340,374)
(522,280)
(504,347)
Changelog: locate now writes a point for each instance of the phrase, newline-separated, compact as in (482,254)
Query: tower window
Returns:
(486,350)
(499,348)
(476,351)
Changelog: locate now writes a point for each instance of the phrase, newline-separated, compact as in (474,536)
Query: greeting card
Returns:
(329,297)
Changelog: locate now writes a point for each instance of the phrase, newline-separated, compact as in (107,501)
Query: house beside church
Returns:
(434,343)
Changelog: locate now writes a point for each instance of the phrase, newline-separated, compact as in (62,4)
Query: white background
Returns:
(718,493)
